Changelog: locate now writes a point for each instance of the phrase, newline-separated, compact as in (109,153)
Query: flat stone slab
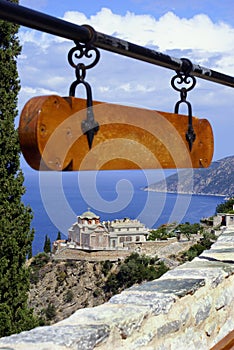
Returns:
(125,317)
(223,254)
(228,237)
(179,287)
(156,302)
(213,276)
(227,232)
(198,263)
(223,245)
(81,337)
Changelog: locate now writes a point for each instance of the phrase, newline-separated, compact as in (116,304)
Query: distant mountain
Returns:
(218,179)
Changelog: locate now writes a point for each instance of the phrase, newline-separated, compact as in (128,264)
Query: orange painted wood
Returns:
(128,138)
(227,343)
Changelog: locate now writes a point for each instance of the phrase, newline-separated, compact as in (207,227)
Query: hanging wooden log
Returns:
(51,137)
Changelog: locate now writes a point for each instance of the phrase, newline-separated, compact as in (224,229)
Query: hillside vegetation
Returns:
(59,288)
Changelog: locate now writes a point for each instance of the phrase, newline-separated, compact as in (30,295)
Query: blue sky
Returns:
(202,31)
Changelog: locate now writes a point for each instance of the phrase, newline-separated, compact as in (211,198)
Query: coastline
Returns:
(185,193)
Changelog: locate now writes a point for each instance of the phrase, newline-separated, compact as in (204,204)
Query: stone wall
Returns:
(159,248)
(150,247)
(162,248)
(91,255)
(190,307)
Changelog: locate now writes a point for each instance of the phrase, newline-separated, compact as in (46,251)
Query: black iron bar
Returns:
(55,26)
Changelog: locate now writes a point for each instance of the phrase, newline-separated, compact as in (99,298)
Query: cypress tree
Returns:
(47,245)
(58,236)
(15,233)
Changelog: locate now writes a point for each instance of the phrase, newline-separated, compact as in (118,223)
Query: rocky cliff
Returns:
(61,287)
(218,179)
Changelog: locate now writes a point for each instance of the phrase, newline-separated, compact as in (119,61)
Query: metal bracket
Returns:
(89,126)
(183,77)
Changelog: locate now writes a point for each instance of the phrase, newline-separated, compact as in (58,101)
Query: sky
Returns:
(202,31)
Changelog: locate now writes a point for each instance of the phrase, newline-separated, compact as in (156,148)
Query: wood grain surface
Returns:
(128,138)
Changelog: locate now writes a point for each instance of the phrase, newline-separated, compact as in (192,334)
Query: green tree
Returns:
(15,233)
(47,245)
(58,236)
(163,232)
(188,229)
(225,207)
(160,233)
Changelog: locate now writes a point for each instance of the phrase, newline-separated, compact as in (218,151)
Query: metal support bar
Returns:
(52,25)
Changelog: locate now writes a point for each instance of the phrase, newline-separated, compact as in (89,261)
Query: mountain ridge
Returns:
(218,179)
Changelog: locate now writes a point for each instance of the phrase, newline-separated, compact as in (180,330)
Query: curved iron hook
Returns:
(183,76)
(89,126)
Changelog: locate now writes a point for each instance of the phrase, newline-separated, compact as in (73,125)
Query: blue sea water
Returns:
(57,199)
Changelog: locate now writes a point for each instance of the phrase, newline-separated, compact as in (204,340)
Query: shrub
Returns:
(197,249)
(50,312)
(106,267)
(96,292)
(61,275)
(68,297)
(135,269)
(38,261)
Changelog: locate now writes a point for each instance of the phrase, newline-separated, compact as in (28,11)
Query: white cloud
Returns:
(37,91)
(168,32)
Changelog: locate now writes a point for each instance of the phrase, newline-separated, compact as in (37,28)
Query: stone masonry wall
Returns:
(190,307)
(91,255)
(159,248)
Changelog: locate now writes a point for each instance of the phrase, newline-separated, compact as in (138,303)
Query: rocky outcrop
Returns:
(218,179)
(63,287)
(190,307)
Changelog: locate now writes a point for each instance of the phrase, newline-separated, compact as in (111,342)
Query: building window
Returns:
(128,239)
(121,239)
(137,238)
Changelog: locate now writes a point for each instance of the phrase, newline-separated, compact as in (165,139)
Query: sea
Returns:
(57,198)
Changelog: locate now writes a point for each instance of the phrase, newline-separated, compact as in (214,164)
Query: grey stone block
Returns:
(226,234)
(223,254)
(203,311)
(143,340)
(157,303)
(213,276)
(201,263)
(126,317)
(167,328)
(83,337)
(179,287)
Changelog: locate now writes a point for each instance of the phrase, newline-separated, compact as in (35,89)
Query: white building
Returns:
(89,233)
(124,231)
(224,219)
